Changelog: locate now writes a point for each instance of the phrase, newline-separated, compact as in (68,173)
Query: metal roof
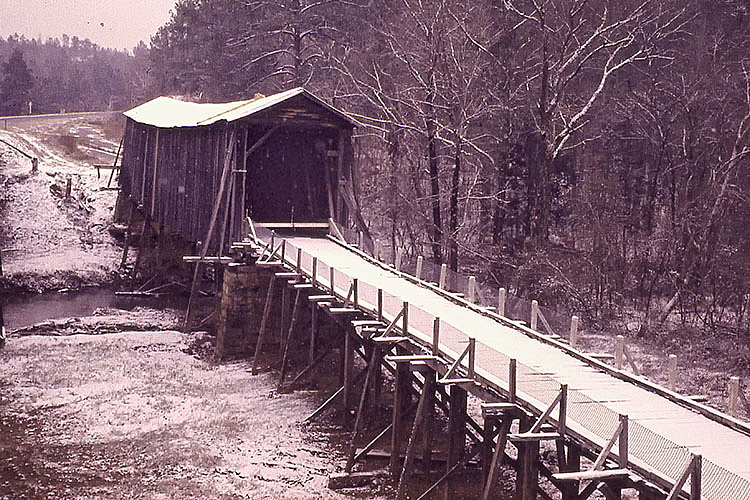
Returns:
(166,112)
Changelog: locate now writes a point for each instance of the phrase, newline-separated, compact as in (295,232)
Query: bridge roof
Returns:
(166,112)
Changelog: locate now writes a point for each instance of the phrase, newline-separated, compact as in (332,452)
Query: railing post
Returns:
(359,240)
(512,380)
(501,302)
(471,292)
(405,318)
(472,356)
(283,250)
(562,419)
(420,263)
(355,286)
(672,369)
(534,314)
(378,249)
(315,271)
(299,260)
(443,275)
(399,258)
(696,477)
(734,395)
(623,442)
(436,336)
(619,352)
(380,304)
(332,273)
(573,331)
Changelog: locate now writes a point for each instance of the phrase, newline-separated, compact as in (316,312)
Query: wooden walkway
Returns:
(662,435)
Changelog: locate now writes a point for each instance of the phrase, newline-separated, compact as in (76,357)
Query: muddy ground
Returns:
(137,415)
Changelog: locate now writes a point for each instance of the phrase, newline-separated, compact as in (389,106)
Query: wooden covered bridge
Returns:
(603,429)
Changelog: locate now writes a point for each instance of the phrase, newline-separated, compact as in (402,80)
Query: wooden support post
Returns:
(436,337)
(142,245)
(348,363)
(315,271)
(355,294)
(373,365)
(534,314)
(672,375)
(380,304)
(498,455)
(569,489)
(128,230)
(313,329)
(471,290)
(696,477)
(428,423)
(420,263)
(443,276)
(456,425)
(619,352)
(263,324)
(332,275)
(68,188)
(292,323)
(734,395)
(573,339)
(299,260)
(210,233)
(512,373)
(401,403)
(501,302)
(623,443)
(472,357)
(527,478)
(405,318)
(283,314)
(408,468)
(488,437)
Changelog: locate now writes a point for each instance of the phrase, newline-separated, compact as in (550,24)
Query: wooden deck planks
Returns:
(665,418)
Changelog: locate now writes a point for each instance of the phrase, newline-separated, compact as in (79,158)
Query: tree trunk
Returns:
(437,224)
(455,181)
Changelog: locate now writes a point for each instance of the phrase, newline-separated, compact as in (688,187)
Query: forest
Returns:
(69,74)
(590,154)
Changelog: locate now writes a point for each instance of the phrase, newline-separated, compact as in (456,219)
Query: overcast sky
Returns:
(116,24)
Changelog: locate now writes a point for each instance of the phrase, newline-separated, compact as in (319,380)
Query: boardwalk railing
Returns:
(652,456)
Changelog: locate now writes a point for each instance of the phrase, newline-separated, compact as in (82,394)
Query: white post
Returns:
(534,313)
(734,395)
(420,262)
(573,331)
(471,292)
(359,240)
(672,366)
(399,258)
(619,352)
(501,302)
(377,249)
(443,274)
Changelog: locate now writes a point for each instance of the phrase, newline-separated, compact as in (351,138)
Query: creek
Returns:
(28,309)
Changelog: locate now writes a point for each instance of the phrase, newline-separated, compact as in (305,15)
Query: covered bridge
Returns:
(285,160)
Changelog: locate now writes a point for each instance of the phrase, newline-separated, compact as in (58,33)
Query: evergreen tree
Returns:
(16,85)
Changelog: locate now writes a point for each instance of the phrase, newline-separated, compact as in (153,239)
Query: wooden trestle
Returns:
(423,382)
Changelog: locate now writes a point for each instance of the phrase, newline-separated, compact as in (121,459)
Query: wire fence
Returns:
(646,449)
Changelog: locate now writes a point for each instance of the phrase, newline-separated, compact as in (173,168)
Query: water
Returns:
(24,310)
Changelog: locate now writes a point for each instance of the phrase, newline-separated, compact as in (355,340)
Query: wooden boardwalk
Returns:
(663,435)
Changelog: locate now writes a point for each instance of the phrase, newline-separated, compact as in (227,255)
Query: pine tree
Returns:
(16,86)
